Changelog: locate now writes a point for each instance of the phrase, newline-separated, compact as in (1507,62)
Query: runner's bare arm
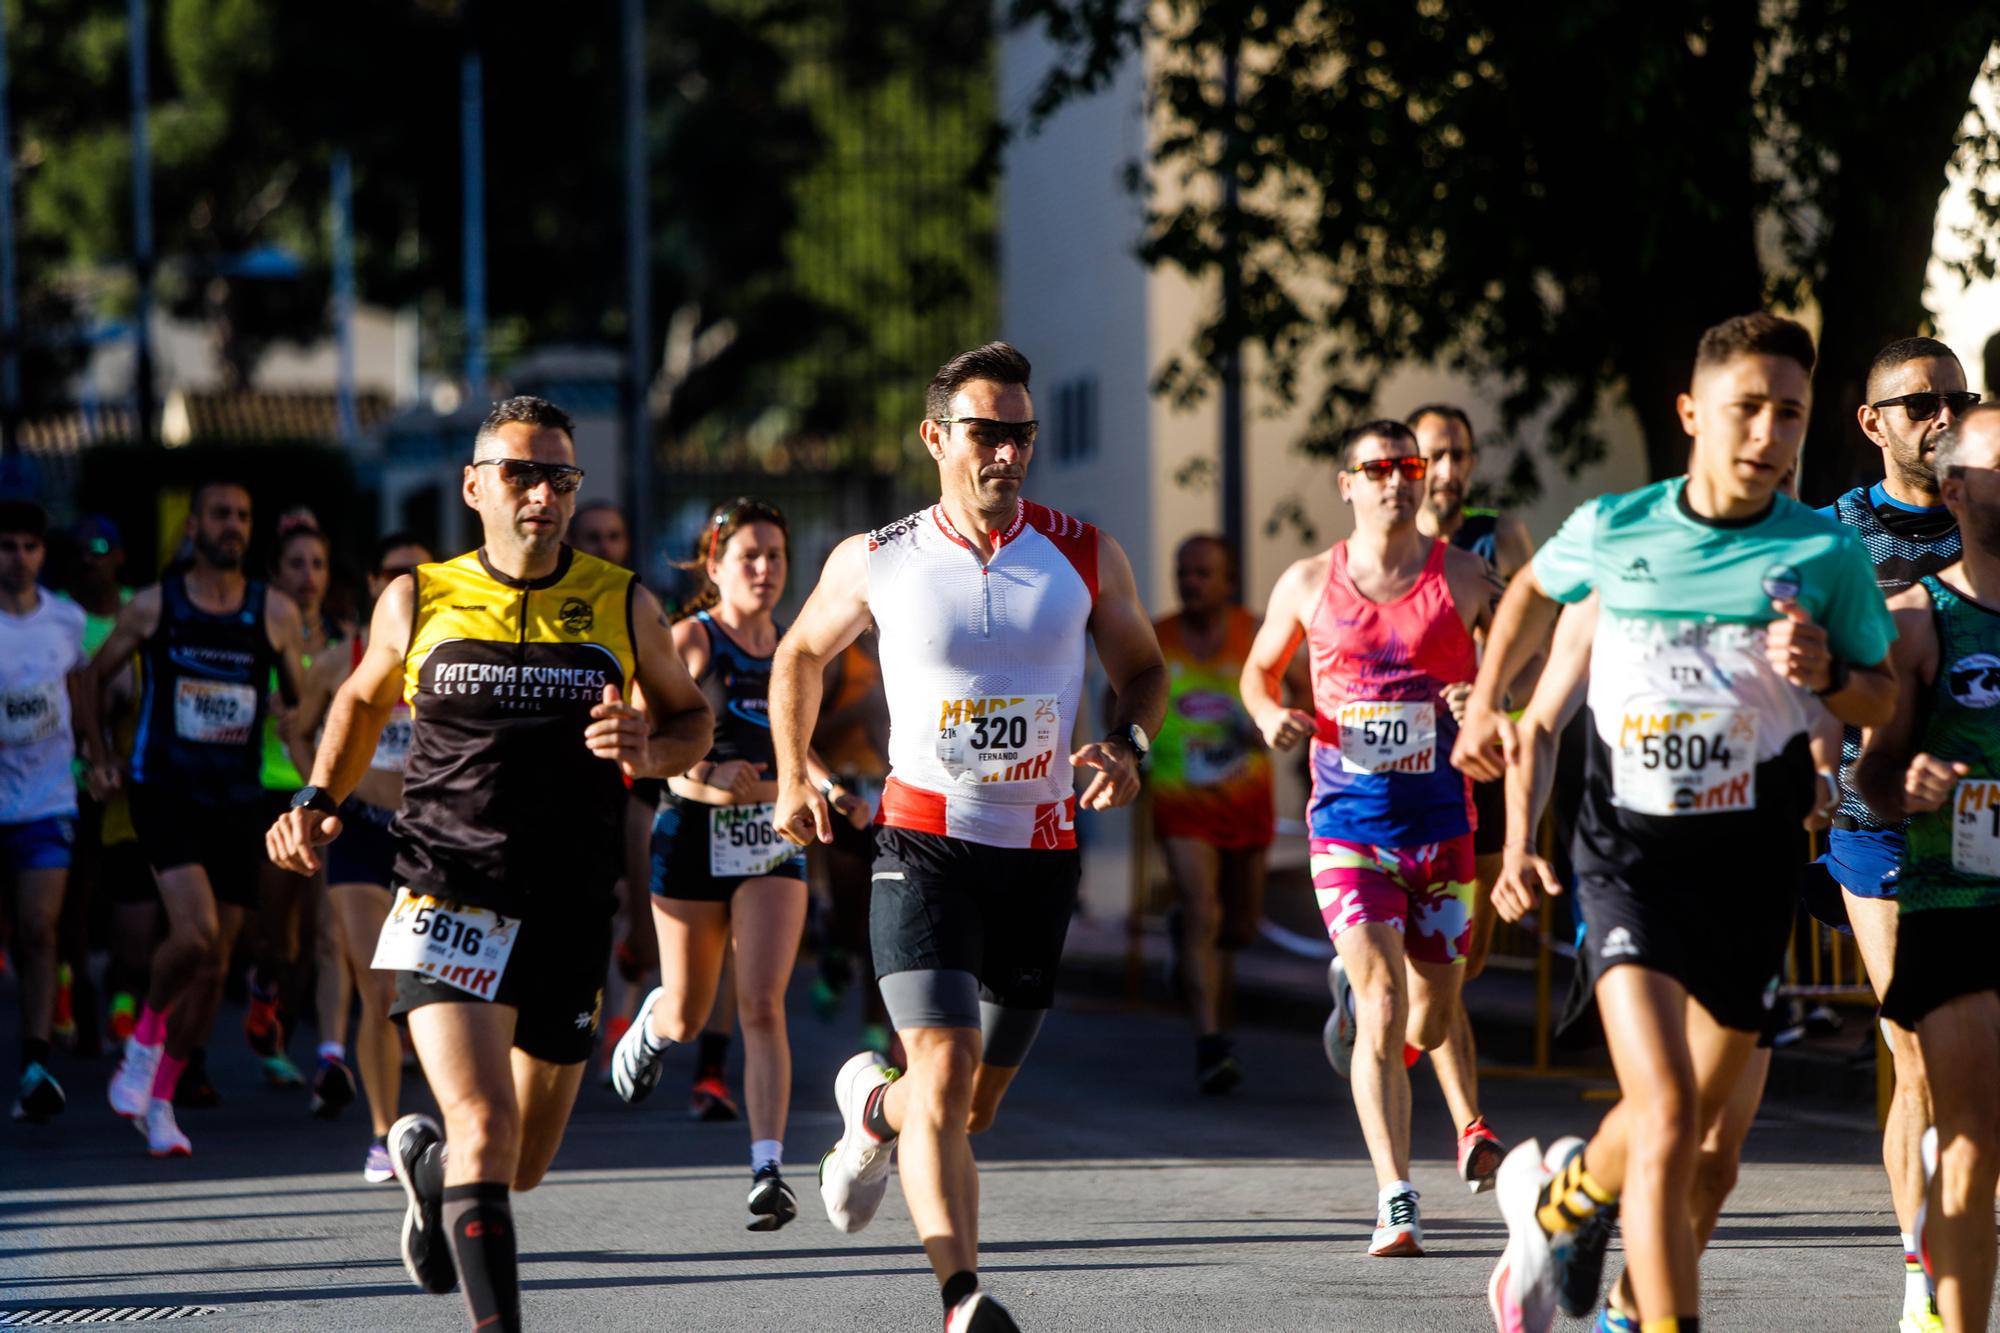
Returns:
(1475,588)
(1799,651)
(137,620)
(1524,874)
(354,722)
(1521,628)
(682,728)
(1130,653)
(1513,548)
(832,617)
(287,632)
(1271,654)
(323,677)
(1889,776)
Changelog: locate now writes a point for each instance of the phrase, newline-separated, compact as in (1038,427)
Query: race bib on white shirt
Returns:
(1975,827)
(1005,739)
(214,712)
(742,841)
(1685,760)
(462,946)
(1383,737)
(392,750)
(31,714)
(1206,764)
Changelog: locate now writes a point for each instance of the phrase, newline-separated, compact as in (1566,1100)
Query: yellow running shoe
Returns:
(1925,1320)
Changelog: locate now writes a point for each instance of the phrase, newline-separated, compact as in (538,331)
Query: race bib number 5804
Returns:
(462,946)
(1685,760)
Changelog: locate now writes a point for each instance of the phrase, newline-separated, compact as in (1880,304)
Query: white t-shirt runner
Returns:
(37,653)
(983,667)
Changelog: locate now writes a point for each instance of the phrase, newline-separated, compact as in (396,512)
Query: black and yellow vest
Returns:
(503,807)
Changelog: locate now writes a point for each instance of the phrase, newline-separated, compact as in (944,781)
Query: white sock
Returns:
(765,1152)
(654,1041)
(1916,1287)
(332,1050)
(1392,1189)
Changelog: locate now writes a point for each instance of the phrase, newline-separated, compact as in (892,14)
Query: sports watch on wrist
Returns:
(1134,736)
(1837,673)
(315,798)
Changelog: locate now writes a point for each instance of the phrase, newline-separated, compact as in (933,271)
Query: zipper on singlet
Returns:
(521,629)
(985,601)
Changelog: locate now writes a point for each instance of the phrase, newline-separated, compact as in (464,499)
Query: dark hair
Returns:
(1382,429)
(1759,333)
(289,534)
(207,484)
(1215,539)
(1903,351)
(995,361)
(24,517)
(537,412)
(599,506)
(392,541)
(1449,413)
(724,524)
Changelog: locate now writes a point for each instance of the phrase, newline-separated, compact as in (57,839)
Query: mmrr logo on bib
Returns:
(1974,680)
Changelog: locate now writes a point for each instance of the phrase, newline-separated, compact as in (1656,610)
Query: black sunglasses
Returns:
(1413,468)
(1924,406)
(523,475)
(992,434)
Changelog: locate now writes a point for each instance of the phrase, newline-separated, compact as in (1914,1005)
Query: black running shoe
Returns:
(426,1249)
(1216,1069)
(1582,1267)
(39,1097)
(194,1091)
(979,1313)
(772,1203)
(333,1088)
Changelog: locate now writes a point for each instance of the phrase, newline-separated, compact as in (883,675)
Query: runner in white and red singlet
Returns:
(984,603)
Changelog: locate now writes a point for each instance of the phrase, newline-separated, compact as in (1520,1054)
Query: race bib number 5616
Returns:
(462,946)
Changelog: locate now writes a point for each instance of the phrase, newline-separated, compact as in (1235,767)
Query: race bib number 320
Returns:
(1975,827)
(743,842)
(462,946)
(1685,761)
(1005,739)
(214,712)
(1381,737)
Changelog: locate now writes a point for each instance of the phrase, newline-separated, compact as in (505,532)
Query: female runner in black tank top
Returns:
(720,872)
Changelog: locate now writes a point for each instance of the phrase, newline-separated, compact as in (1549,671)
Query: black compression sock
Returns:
(875,1117)
(711,1053)
(958,1286)
(1210,1047)
(481,1226)
(34,1051)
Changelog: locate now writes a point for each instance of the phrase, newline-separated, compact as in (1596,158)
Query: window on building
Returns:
(1075,433)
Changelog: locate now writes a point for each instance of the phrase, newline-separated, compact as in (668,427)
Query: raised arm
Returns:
(682,727)
(354,723)
(1521,628)
(832,617)
(1889,775)
(1130,653)
(1524,874)
(1271,653)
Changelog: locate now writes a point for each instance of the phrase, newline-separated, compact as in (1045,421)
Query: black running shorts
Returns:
(1489,805)
(680,857)
(1001,913)
(225,840)
(1941,954)
(554,980)
(365,852)
(1723,940)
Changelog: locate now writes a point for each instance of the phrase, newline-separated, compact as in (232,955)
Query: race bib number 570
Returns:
(1387,737)
(462,946)
(1685,760)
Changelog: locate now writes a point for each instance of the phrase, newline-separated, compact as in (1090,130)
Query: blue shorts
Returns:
(39,844)
(1864,861)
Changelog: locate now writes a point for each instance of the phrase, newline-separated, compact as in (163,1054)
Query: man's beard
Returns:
(217,556)
(1913,470)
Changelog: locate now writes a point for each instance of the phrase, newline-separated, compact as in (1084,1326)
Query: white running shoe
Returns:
(636,1066)
(1399,1232)
(131,1090)
(1338,1035)
(163,1136)
(854,1174)
(979,1313)
(1522,1291)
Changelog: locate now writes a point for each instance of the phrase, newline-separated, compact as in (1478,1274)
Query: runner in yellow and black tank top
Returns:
(501,675)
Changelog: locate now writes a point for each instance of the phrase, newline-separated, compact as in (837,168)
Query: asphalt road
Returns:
(1114,1198)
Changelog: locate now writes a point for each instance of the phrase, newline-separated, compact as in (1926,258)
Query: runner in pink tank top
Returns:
(1387,617)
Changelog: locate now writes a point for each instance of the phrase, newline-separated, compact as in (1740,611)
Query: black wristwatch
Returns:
(1837,672)
(1134,736)
(315,798)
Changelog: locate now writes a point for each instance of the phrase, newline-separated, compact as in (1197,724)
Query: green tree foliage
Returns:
(1558,196)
